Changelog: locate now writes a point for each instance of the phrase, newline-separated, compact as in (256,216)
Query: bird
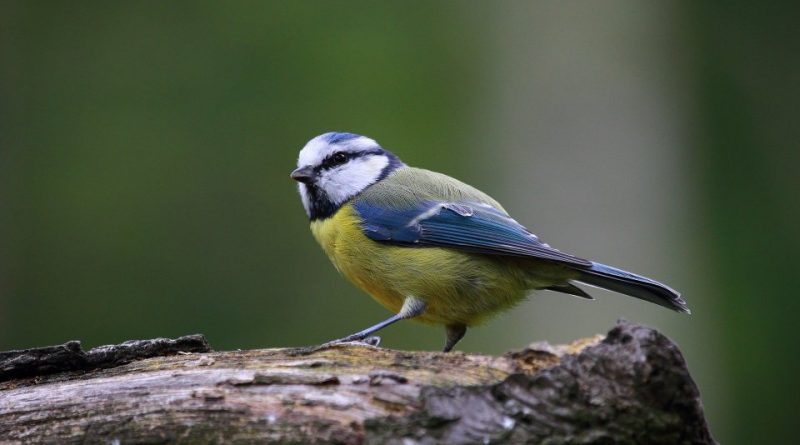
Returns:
(431,248)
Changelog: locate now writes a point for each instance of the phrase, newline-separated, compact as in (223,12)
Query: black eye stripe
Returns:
(334,160)
(341,157)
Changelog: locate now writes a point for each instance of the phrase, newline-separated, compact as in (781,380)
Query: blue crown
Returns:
(335,137)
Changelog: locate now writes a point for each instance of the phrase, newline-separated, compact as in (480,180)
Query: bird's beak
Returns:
(303,174)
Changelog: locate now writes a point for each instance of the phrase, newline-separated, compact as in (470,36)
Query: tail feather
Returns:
(637,286)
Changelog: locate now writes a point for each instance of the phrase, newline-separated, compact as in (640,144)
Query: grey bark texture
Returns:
(629,387)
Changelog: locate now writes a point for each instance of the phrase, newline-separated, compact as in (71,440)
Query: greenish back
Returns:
(408,186)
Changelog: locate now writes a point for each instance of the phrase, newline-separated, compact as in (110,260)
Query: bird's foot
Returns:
(373,340)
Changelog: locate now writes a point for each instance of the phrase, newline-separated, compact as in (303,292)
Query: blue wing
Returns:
(470,226)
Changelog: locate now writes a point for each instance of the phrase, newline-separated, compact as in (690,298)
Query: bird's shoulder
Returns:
(408,186)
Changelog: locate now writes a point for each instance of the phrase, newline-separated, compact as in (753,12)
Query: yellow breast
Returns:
(357,257)
(457,286)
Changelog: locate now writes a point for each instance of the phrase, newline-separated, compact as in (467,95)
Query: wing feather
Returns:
(470,226)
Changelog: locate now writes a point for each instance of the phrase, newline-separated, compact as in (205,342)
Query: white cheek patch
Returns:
(342,183)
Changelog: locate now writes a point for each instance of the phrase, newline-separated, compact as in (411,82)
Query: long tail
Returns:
(628,283)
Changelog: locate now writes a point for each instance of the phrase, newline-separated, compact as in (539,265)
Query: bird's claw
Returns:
(372,340)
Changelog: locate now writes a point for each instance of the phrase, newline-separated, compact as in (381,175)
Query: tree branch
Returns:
(631,386)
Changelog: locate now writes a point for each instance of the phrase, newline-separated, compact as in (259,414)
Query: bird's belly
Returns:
(459,287)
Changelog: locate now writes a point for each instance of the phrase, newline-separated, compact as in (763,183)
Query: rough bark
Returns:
(629,387)
(70,356)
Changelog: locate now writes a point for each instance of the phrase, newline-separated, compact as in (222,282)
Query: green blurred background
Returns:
(145,149)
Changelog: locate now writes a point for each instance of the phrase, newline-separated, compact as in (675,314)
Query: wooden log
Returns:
(628,387)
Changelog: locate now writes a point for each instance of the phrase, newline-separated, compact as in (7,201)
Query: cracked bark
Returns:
(629,387)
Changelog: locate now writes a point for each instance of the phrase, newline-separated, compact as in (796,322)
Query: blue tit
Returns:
(429,247)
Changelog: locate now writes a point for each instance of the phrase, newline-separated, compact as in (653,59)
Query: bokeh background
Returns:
(145,149)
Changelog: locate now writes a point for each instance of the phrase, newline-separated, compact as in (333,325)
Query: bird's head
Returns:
(334,167)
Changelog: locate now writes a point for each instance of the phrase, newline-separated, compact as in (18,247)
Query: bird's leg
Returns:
(412,307)
(455,332)
(361,335)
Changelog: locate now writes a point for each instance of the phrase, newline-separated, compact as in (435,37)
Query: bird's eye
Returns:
(339,158)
